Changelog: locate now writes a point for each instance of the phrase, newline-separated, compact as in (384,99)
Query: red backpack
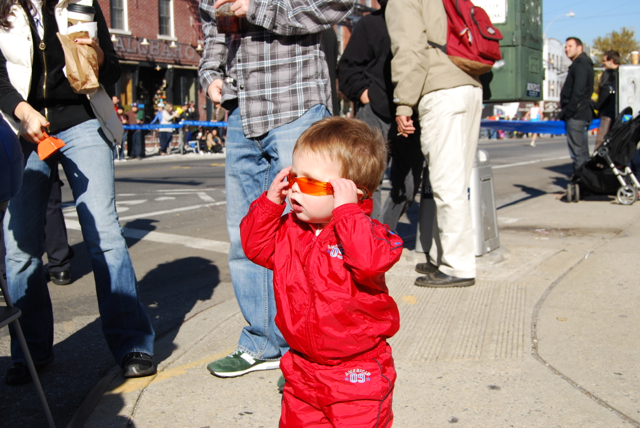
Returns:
(473,43)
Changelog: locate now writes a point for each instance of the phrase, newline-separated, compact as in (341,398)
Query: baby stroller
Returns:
(607,171)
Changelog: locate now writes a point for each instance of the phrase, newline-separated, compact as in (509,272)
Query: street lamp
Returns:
(570,15)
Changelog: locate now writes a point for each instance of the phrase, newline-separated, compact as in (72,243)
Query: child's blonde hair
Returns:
(361,151)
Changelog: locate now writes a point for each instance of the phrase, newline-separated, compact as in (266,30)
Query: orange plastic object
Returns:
(310,186)
(49,146)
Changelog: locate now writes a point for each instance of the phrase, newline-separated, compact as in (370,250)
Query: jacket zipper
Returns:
(309,303)
(314,241)
(42,47)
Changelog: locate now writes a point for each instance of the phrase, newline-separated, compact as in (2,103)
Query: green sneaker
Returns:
(239,363)
(281,383)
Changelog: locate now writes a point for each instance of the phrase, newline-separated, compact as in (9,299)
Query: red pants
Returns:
(354,394)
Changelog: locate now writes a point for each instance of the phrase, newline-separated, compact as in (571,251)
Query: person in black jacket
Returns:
(575,101)
(608,94)
(364,74)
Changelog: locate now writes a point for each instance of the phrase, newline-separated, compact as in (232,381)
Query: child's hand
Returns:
(277,192)
(345,191)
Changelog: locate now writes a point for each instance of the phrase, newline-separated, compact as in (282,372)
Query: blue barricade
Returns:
(555,127)
(177,125)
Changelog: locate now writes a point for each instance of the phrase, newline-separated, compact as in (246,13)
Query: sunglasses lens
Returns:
(309,186)
(313,187)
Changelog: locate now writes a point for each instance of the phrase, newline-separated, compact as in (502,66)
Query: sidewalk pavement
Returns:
(548,337)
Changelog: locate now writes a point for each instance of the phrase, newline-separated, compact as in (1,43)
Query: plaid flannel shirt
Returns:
(275,68)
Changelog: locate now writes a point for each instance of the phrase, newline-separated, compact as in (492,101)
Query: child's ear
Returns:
(360,194)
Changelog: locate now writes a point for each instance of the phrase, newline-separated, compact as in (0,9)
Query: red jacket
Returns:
(332,300)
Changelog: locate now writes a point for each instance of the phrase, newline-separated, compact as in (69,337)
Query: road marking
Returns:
(166,238)
(179,190)
(164,198)
(136,384)
(205,197)
(509,165)
(178,193)
(134,202)
(175,210)
(73,213)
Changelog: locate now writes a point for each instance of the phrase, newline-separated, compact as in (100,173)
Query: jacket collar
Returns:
(366,205)
(583,57)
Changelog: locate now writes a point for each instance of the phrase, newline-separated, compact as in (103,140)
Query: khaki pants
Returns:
(605,125)
(450,122)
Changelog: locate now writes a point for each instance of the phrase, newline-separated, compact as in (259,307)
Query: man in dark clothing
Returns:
(364,74)
(608,94)
(133,149)
(329,45)
(575,101)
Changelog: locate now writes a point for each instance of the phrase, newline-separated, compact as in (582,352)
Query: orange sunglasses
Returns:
(309,186)
(312,187)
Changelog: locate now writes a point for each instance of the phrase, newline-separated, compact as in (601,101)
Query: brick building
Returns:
(159,43)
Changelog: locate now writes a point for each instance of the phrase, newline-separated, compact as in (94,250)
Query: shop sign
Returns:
(156,50)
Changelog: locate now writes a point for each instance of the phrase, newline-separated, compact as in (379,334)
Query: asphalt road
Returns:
(173,213)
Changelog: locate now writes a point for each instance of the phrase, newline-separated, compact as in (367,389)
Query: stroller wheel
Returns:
(627,195)
(573,192)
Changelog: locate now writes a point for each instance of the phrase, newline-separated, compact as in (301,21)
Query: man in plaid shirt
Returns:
(273,79)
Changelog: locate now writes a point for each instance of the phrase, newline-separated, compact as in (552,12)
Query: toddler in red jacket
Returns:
(329,260)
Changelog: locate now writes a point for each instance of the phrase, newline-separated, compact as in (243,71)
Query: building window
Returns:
(117,14)
(165,18)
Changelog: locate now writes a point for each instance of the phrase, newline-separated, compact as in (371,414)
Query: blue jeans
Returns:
(578,141)
(118,152)
(87,159)
(165,140)
(252,164)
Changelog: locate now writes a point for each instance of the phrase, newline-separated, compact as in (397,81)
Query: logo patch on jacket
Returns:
(335,251)
(357,376)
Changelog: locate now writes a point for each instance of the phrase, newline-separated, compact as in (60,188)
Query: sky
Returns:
(593,18)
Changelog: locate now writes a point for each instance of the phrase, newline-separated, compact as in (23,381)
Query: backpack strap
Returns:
(437,46)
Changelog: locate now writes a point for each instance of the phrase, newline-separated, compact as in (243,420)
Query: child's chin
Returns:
(302,217)
(305,218)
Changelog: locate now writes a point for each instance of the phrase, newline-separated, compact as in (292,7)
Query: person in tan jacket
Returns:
(449,104)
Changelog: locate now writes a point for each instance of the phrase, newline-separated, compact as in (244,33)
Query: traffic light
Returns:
(518,76)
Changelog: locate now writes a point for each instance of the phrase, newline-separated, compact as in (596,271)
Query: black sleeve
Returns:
(580,89)
(605,89)
(353,63)
(9,97)
(110,71)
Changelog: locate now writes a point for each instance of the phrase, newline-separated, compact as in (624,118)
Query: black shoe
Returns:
(425,268)
(18,374)
(442,280)
(60,278)
(138,364)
